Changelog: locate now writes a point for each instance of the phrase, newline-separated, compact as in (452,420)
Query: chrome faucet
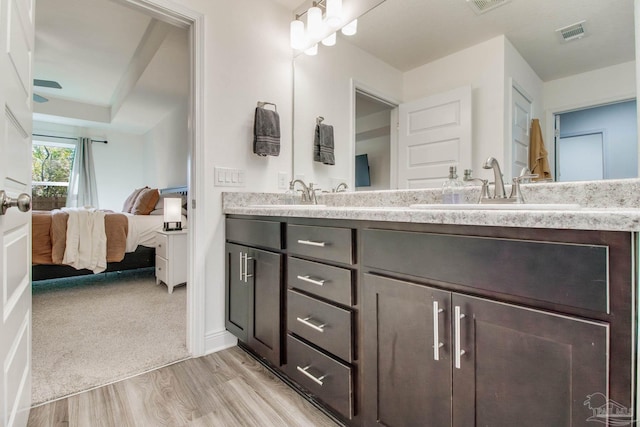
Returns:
(342,187)
(499,195)
(498,191)
(308,192)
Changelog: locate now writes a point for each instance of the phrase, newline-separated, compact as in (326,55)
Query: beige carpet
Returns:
(95,330)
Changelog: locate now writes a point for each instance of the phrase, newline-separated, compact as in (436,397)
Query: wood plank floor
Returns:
(228,388)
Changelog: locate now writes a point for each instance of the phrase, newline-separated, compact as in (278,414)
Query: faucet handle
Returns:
(516,192)
(524,177)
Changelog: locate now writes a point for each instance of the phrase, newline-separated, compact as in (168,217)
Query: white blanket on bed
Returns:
(86,245)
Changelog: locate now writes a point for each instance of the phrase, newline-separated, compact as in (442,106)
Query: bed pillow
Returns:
(146,201)
(131,200)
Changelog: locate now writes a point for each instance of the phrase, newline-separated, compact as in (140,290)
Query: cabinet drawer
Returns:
(254,232)
(161,269)
(323,324)
(327,243)
(323,376)
(162,243)
(574,275)
(329,282)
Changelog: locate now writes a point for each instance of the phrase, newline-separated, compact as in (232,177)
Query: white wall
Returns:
(518,72)
(119,165)
(324,88)
(246,60)
(482,67)
(166,148)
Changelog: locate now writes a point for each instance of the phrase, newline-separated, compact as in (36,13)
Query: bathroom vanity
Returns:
(397,316)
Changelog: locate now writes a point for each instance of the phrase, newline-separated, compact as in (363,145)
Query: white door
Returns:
(581,157)
(520,131)
(16,39)
(435,133)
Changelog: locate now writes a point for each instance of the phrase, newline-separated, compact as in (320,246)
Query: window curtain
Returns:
(82,183)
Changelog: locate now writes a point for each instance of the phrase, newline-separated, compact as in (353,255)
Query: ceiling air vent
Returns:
(484,6)
(572,32)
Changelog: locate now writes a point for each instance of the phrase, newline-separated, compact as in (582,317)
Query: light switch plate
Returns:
(283,182)
(229,177)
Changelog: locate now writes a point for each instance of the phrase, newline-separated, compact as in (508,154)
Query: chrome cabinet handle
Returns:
(436,331)
(306,322)
(246,267)
(312,243)
(22,202)
(458,351)
(310,280)
(317,380)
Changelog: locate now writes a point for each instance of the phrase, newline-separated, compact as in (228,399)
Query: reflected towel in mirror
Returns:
(266,132)
(323,144)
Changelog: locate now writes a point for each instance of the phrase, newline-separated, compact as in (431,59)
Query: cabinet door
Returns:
(237,293)
(266,294)
(407,382)
(525,367)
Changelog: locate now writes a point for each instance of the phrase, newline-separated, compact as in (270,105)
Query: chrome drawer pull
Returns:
(312,243)
(314,379)
(458,351)
(305,321)
(310,280)
(246,268)
(436,331)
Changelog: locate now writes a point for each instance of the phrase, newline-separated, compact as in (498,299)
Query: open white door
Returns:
(520,131)
(16,39)
(435,133)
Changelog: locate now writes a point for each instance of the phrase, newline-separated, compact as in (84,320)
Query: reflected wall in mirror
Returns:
(409,50)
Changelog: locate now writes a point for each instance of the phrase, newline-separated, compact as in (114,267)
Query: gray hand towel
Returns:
(266,132)
(323,145)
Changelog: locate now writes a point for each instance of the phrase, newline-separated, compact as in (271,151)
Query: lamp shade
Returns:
(313,50)
(334,13)
(172,209)
(329,40)
(314,22)
(297,34)
(351,28)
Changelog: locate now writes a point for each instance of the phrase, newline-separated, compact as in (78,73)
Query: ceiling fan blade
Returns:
(47,83)
(38,98)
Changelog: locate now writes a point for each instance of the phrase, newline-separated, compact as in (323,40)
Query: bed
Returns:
(130,242)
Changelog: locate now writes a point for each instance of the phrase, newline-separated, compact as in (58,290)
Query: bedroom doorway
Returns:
(192,22)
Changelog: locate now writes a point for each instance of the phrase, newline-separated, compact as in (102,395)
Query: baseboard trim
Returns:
(217,341)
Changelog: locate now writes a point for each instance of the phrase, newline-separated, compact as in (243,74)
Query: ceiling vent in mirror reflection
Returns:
(484,6)
(572,32)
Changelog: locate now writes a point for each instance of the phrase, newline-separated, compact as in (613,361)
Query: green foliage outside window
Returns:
(51,165)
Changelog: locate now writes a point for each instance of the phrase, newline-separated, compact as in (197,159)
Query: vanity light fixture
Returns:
(317,26)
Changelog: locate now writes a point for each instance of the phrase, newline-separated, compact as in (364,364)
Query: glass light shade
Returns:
(334,13)
(351,28)
(314,22)
(330,40)
(313,50)
(297,34)
(172,213)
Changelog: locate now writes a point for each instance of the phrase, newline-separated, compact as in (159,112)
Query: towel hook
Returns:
(261,104)
(319,120)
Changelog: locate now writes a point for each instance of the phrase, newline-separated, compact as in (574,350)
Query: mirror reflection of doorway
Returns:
(597,143)
(374,154)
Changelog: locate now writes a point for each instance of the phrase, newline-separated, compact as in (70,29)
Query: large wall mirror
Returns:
(422,68)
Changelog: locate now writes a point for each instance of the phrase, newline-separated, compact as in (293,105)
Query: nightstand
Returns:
(171,258)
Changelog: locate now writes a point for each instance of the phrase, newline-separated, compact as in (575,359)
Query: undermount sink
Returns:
(501,206)
(276,206)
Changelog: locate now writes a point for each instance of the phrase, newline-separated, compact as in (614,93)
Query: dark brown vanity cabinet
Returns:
(320,316)
(254,286)
(457,340)
(453,360)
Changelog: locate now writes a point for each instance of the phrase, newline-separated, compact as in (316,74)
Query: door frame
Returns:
(601,132)
(184,17)
(508,155)
(358,86)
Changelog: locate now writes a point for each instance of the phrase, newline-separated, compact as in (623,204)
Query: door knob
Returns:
(22,202)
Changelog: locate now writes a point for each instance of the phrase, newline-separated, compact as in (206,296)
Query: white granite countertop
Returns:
(612,205)
(601,219)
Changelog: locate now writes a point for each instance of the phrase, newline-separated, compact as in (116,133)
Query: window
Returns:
(51,169)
